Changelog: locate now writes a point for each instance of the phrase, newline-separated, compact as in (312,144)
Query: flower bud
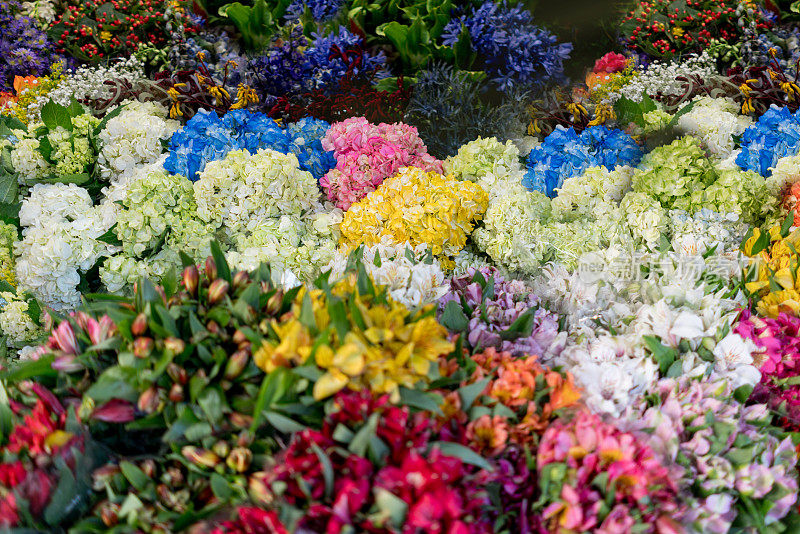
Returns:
(221,449)
(176,393)
(191,279)
(239,459)
(211,268)
(177,373)
(174,345)
(148,467)
(103,475)
(236,364)
(213,327)
(239,337)
(142,347)
(148,400)
(200,457)
(173,477)
(240,279)
(709,343)
(217,290)
(109,513)
(139,325)
(274,303)
(258,489)
(240,420)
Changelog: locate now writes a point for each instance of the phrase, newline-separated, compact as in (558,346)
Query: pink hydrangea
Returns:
(366,154)
(610,63)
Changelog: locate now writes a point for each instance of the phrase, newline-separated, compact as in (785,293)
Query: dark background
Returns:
(590,25)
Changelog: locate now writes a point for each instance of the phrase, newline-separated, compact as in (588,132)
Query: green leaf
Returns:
(453,317)
(55,115)
(327,469)
(77,179)
(522,327)
(422,400)
(282,423)
(787,226)
(222,490)
(361,440)
(135,476)
(678,114)
(6,415)
(9,188)
(464,52)
(110,237)
(743,393)
(30,369)
(391,506)
(211,402)
(223,270)
(663,356)
(471,392)
(465,454)
(75,108)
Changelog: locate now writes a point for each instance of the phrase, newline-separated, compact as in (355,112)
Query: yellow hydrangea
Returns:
(415,206)
(773,277)
(359,341)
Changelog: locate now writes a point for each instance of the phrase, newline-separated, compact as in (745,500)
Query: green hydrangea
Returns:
(8,236)
(645,217)
(483,156)
(674,173)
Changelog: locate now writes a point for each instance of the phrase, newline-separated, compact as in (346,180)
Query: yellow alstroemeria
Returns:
(293,349)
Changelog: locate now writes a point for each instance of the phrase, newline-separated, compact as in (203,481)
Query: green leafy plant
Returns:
(257,23)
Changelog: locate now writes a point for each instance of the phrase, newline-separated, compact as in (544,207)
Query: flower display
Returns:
(500,314)
(25,49)
(367,154)
(776,134)
(572,454)
(736,466)
(356,358)
(207,137)
(443,221)
(565,153)
(529,54)
(399,267)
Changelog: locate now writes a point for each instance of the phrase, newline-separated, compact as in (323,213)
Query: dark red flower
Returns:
(252,520)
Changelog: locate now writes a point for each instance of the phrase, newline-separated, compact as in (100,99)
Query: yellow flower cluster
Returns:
(415,206)
(358,341)
(773,279)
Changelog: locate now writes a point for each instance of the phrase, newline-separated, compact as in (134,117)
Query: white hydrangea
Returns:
(51,257)
(715,121)
(28,161)
(55,201)
(15,322)
(240,192)
(134,138)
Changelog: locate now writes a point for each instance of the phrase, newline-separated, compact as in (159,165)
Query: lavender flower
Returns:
(321,10)
(24,49)
(499,313)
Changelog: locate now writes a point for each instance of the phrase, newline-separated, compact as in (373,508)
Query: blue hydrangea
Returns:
(321,10)
(206,137)
(565,153)
(305,141)
(776,134)
(514,51)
